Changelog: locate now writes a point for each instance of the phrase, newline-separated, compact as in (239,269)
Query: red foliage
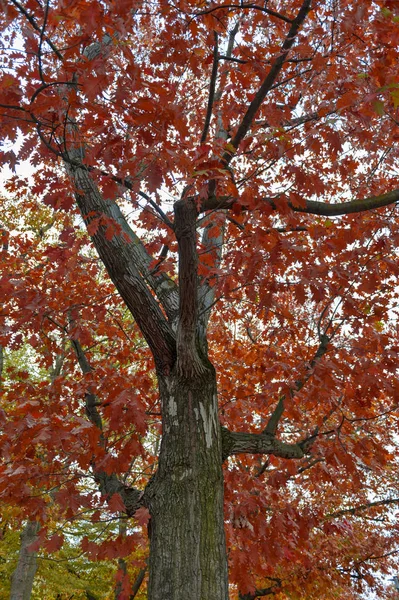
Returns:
(305,302)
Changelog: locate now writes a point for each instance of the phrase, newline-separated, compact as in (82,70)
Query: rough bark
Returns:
(120,260)
(187,542)
(258,443)
(22,578)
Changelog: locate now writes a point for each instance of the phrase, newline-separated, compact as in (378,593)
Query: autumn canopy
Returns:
(199,294)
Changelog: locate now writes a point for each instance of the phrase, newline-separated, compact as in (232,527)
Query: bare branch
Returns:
(297,121)
(154,205)
(232,59)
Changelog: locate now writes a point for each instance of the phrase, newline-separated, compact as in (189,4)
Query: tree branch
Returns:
(214,244)
(267,11)
(137,583)
(276,415)
(313,207)
(214,247)
(35,26)
(266,442)
(108,484)
(163,286)
(212,87)
(271,77)
(122,258)
(361,508)
(350,207)
(259,593)
(154,205)
(119,258)
(258,443)
(188,361)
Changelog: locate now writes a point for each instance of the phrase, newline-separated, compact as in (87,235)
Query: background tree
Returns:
(228,137)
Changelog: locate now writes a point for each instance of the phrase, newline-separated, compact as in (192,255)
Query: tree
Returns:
(254,148)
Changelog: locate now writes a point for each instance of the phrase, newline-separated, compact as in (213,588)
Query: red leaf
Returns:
(54,543)
(116,504)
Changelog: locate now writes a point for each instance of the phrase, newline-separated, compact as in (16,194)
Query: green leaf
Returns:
(378,106)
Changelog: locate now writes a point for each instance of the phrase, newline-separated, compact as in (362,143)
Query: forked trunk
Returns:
(187,542)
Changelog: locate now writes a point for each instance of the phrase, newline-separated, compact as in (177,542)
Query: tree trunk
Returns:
(187,542)
(22,578)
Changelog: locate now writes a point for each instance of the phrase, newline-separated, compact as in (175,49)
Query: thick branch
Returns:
(350,207)
(119,258)
(258,443)
(188,361)
(275,417)
(125,256)
(271,77)
(163,286)
(313,207)
(206,292)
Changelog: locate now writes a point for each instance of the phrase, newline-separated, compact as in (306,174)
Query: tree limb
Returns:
(116,250)
(119,258)
(108,484)
(276,415)
(35,26)
(271,77)
(212,87)
(188,361)
(137,583)
(258,443)
(259,593)
(163,286)
(213,245)
(313,207)
(361,508)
